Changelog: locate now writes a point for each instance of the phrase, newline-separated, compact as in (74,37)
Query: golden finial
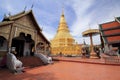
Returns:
(63,9)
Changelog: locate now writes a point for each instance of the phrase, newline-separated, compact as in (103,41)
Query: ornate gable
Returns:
(26,21)
(24,18)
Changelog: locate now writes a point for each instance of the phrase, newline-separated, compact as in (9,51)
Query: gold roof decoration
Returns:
(62,19)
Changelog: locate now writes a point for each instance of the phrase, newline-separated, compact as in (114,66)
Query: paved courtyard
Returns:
(66,71)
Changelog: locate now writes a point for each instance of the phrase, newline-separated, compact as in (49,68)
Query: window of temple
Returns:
(3,43)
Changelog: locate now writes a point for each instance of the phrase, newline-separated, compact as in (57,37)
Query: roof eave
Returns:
(116,18)
(6,23)
(44,37)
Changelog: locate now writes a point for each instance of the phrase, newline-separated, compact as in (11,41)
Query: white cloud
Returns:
(49,31)
(90,15)
(82,22)
(12,6)
(86,13)
(45,21)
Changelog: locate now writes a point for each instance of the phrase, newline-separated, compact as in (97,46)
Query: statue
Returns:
(46,59)
(13,63)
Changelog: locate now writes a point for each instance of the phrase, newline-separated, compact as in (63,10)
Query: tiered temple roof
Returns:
(110,31)
(11,19)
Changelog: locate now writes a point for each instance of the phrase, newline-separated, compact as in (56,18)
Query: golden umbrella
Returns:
(90,33)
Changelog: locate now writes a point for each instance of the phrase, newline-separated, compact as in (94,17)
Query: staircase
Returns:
(31,61)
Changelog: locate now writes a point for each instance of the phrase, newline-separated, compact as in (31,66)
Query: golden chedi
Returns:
(63,42)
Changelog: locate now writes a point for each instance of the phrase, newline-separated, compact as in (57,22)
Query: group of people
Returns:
(108,49)
(86,52)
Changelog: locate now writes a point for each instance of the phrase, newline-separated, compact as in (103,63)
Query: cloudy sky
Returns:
(80,14)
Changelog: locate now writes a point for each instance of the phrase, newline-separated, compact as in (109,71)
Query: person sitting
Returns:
(13,63)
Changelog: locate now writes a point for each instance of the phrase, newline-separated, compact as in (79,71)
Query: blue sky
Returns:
(80,14)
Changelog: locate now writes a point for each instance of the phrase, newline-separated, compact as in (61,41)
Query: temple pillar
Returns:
(92,53)
(35,38)
(11,35)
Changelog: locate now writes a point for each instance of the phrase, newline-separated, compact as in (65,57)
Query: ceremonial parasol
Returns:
(90,33)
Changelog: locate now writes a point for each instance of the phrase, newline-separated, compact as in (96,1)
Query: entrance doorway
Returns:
(23,45)
(29,45)
(18,43)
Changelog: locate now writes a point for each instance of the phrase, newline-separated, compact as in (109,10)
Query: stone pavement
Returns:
(62,70)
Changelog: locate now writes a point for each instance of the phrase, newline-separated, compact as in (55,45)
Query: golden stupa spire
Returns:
(62,19)
(63,42)
(63,30)
(63,25)
(63,11)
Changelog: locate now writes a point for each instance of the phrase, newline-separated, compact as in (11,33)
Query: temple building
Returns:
(63,42)
(21,32)
(110,33)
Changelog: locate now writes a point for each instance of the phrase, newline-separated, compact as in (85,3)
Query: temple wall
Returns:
(39,39)
(5,31)
(4,46)
(67,50)
(41,48)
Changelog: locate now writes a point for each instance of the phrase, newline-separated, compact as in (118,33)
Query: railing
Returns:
(112,60)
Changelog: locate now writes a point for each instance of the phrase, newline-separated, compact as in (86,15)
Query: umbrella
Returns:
(90,33)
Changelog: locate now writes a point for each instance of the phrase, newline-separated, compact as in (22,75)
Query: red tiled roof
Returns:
(113,38)
(110,25)
(111,31)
